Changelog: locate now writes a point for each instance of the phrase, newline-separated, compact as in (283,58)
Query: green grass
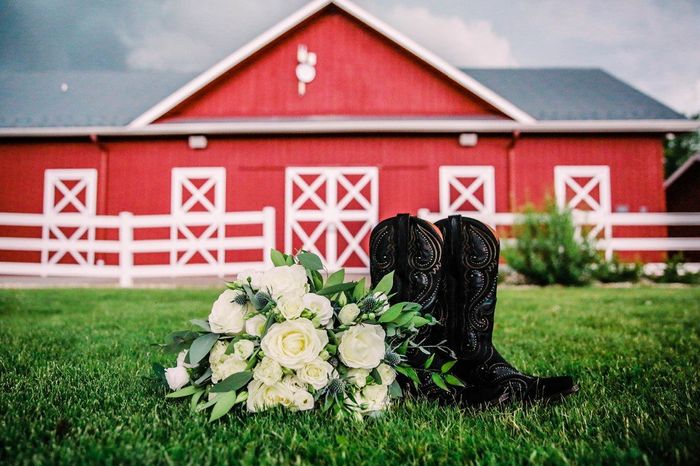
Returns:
(75,387)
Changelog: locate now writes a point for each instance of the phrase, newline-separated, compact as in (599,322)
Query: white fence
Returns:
(601,227)
(203,234)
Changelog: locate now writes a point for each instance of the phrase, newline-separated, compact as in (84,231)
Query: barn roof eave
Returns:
(281,28)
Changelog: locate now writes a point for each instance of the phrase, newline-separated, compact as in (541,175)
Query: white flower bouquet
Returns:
(288,338)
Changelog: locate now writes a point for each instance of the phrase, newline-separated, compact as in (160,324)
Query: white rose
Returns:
(376,397)
(268,371)
(261,396)
(303,400)
(320,306)
(293,343)
(358,377)
(243,348)
(285,280)
(181,360)
(254,276)
(226,316)
(362,346)
(177,377)
(293,383)
(255,325)
(290,306)
(317,373)
(387,373)
(222,364)
(383,301)
(349,313)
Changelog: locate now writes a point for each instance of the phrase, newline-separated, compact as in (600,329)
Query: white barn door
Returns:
(69,193)
(198,202)
(586,189)
(467,189)
(330,211)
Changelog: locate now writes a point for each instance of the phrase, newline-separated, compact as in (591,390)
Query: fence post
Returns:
(126,256)
(268,233)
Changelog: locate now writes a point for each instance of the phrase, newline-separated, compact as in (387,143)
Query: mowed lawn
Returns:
(76,387)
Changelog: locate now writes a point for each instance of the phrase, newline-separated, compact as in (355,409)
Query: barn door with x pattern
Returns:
(330,211)
(467,189)
(198,202)
(586,188)
(70,192)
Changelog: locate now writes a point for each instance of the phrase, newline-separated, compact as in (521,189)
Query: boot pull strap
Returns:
(456,296)
(401,234)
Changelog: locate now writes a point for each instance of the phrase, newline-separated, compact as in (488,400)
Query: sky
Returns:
(653,44)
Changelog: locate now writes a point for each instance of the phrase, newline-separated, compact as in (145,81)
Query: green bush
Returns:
(675,273)
(547,250)
(614,271)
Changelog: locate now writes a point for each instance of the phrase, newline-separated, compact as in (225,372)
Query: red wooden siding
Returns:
(359,72)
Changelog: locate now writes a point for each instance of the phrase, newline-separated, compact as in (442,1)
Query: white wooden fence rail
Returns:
(123,227)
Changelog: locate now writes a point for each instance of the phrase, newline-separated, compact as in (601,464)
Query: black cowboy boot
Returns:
(413,249)
(471,252)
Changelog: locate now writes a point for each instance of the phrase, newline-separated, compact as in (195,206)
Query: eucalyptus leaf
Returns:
(204,377)
(395,390)
(195,400)
(233,382)
(310,260)
(278,259)
(224,403)
(206,405)
(187,391)
(203,324)
(385,284)
(201,347)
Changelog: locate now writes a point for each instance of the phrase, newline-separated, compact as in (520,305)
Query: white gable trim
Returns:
(682,169)
(304,13)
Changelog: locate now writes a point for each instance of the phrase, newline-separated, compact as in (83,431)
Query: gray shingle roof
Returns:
(112,98)
(571,94)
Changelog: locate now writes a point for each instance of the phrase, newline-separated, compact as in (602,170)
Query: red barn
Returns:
(307,136)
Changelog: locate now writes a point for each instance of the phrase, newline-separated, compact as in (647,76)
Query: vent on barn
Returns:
(585,189)
(467,189)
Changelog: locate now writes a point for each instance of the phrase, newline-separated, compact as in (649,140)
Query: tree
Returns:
(680,148)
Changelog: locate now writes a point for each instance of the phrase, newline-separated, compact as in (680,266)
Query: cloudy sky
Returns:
(654,44)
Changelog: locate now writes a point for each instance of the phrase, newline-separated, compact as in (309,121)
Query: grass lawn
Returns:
(75,387)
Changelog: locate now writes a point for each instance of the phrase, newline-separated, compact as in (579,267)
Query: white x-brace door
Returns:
(198,191)
(586,188)
(330,211)
(467,189)
(69,192)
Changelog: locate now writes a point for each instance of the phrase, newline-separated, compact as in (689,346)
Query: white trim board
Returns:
(682,169)
(281,28)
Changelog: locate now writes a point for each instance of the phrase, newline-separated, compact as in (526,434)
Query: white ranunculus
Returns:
(376,397)
(387,373)
(222,364)
(290,306)
(255,325)
(254,275)
(362,346)
(320,306)
(349,313)
(261,396)
(383,301)
(177,377)
(243,348)
(285,280)
(293,343)
(268,371)
(316,373)
(303,400)
(358,377)
(226,316)
(181,360)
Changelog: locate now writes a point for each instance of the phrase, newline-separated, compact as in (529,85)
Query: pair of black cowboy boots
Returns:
(451,269)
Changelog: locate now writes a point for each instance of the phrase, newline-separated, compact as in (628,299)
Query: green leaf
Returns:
(201,347)
(385,284)
(419,321)
(375,376)
(335,278)
(203,324)
(359,291)
(206,405)
(408,372)
(447,366)
(159,370)
(278,259)
(403,347)
(224,403)
(395,390)
(331,290)
(233,382)
(429,362)
(204,377)
(289,260)
(439,381)
(392,313)
(317,279)
(187,391)
(310,260)
(195,400)
(178,341)
(404,318)
(452,380)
